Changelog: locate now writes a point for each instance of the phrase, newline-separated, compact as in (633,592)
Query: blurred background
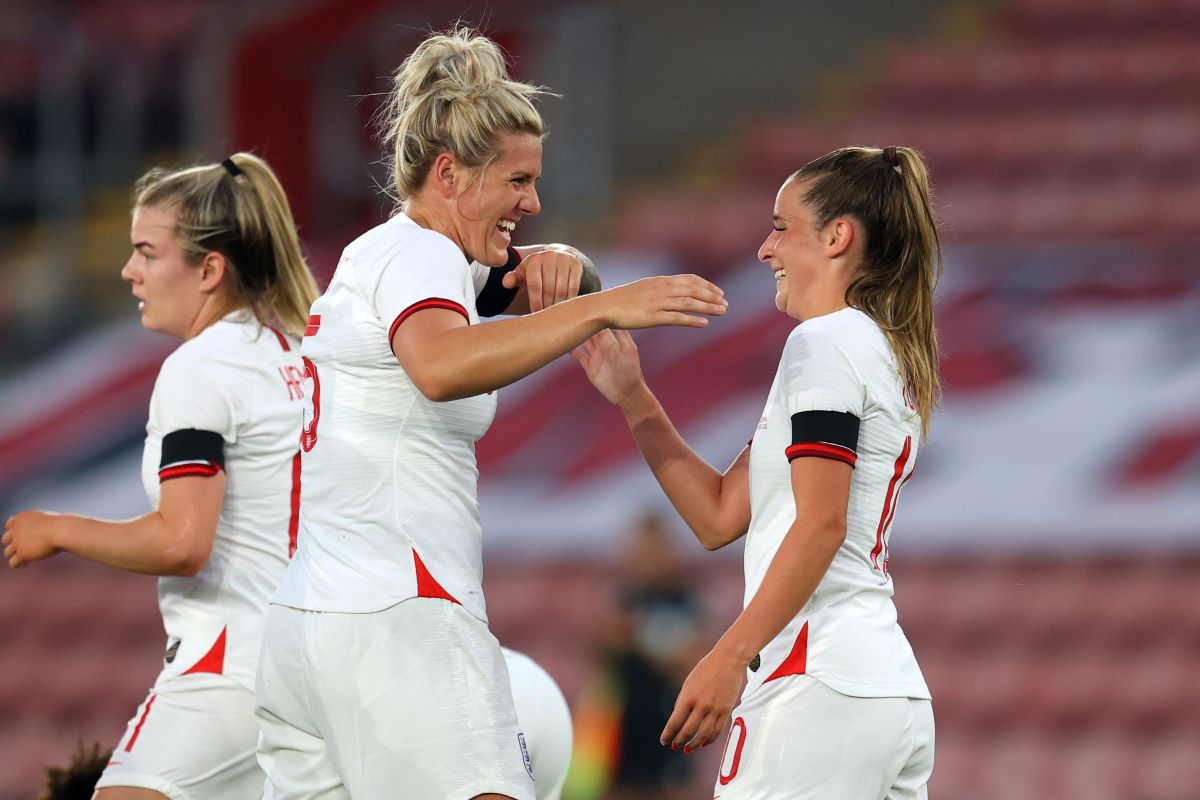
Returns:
(1046,558)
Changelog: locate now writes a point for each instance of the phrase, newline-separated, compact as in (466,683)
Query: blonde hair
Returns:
(246,218)
(452,95)
(887,192)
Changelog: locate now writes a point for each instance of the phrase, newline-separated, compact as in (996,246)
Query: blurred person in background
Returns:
(835,704)
(216,263)
(650,647)
(386,584)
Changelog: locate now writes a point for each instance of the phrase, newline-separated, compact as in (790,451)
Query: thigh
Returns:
(913,781)
(414,701)
(800,739)
(193,738)
(292,752)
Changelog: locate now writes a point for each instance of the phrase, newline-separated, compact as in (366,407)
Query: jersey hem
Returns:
(912,691)
(140,780)
(371,607)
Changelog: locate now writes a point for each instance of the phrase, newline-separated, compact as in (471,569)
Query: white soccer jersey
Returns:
(231,398)
(837,394)
(389,506)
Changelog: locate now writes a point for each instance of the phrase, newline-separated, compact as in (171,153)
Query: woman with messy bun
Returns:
(215,263)
(379,676)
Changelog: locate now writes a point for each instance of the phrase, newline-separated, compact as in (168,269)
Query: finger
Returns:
(688,730)
(548,281)
(678,717)
(573,281)
(513,279)
(533,286)
(705,733)
(8,537)
(678,319)
(624,338)
(562,282)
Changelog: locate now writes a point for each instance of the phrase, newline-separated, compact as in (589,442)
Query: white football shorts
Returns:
(409,702)
(797,738)
(545,720)
(193,738)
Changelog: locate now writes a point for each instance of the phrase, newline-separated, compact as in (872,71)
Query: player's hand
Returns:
(29,536)
(549,276)
(704,704)
(664,300)
(610,359)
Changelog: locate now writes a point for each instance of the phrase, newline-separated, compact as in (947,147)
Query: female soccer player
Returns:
(216,263)
(379,676)
(835,705)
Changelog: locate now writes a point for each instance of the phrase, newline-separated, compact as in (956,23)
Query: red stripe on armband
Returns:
(202,470)
(822,450)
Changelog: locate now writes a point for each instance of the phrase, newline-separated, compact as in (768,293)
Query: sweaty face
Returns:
(489,207)
(166,287)
(793,249)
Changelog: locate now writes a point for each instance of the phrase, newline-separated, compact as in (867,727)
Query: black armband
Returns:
(495,298)
(191,452)
(824,434)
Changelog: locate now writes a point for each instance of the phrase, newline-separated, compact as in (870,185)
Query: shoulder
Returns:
(848,333)
(400,242)
(209,358)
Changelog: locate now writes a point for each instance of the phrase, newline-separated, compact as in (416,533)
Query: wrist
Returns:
(639,404)
(729,648)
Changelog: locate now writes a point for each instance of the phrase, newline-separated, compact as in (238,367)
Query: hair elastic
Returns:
(890,156)
(231,167)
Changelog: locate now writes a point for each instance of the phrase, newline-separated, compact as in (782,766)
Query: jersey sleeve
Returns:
(428,271)
(825,398)
(197,416)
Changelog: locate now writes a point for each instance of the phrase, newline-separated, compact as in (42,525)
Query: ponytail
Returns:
(887,192)
(238,208)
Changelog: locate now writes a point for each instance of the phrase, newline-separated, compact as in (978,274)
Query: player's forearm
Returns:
(694,487)
(475,359)
(798,567)
(148,544)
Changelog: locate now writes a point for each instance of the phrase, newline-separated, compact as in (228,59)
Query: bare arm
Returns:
(821,488)
(448,359)
(176,539)
(715,505)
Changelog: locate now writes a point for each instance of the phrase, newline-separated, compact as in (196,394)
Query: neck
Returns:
(213,309)
(430,215)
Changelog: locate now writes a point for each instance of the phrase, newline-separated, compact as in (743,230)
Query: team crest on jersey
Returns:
(525,754)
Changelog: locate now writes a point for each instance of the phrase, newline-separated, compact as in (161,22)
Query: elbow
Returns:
(715,537)
(186,560)
(434,386)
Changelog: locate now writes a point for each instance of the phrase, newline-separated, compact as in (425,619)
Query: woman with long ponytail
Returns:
(216,263)
(834,703)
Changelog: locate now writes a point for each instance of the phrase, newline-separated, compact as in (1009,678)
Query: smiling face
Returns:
(493,200)
(168,288)
(811,268)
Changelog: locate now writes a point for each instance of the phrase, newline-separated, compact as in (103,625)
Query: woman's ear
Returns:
(445,174)
(212,271)
(839,236)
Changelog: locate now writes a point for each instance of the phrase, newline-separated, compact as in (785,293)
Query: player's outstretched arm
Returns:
(448,359)
(821,488)
(715,506)
(176,539)
(549,274)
